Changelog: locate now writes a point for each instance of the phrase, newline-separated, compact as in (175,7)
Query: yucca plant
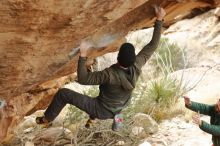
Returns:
(163,91)
(155,97)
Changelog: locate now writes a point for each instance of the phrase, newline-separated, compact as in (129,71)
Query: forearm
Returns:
(82,71)
(211,129)
(149,49)
(199,107)
(156,35)
(91,78)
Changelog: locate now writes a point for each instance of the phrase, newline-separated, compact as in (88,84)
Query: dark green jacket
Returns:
(117,84)
(214,126)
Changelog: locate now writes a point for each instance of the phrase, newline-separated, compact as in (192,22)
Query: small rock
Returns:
(29,122)
(120,143)
(28,130)
(61,142)
(176,120)
(145,143)
(51,133)
(184,126)
(164,143)
(217,12)
(28,143)
(166,134)
(137,130)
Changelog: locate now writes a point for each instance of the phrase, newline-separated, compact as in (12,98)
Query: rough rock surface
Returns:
(199,34)
(37,36)
(141,120)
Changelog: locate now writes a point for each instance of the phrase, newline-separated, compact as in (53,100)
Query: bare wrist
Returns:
(188,104)
(160,18)
(83,55)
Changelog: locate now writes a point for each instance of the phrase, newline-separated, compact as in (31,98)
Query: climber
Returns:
(211,110)
(116,82)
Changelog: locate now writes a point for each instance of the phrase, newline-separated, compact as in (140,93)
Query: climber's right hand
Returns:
(85,48)
(160,12)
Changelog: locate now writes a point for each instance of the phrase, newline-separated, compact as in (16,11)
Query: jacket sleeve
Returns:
(211,129)
(91,78)
(149,49)
(202,108)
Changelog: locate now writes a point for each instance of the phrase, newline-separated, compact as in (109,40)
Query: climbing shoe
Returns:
(89,123)
(117,122)
(43,122)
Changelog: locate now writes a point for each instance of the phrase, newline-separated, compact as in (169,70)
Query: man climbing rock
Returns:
(211,110)
(116,83)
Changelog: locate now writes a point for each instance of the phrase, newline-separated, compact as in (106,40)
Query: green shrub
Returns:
(155,98)
(163,91)
(92,92)
(168,57)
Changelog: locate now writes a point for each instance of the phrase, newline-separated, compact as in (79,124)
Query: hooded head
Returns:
(126,55)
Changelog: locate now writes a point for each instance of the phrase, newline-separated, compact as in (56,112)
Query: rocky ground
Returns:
(178,132)
(174,132)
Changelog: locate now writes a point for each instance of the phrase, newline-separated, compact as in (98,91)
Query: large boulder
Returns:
(144,122)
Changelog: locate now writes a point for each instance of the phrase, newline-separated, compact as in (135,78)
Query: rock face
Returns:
(37,36)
